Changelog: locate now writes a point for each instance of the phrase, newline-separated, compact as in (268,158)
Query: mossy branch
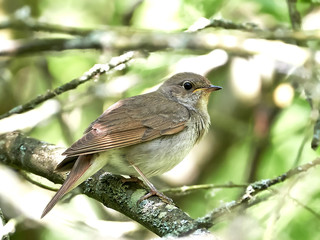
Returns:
(21,152)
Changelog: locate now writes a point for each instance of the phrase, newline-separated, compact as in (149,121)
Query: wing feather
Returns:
(129,122)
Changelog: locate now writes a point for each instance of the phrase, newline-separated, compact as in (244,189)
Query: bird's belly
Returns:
(152,158)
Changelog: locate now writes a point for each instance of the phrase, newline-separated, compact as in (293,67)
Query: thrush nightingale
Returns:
(144,135)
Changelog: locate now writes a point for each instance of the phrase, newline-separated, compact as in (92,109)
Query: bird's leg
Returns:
(133,179)
(153,190)
(97,175)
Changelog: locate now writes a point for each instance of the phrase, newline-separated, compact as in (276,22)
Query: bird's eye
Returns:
(187,85)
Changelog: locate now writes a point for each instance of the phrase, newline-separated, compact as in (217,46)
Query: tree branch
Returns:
(21,152)
(40,158)
(93,72)
(31,24)
(204,23)
(124,39)
(188,189)
(294,14)
(253,189)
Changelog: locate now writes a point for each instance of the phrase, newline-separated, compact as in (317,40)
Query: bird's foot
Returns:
(134,180)
(154,192)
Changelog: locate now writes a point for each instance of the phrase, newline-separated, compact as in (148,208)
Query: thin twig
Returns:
(261,185)
(252,190)
(26,176)
(93,72)
(310,210)
(204,23)
(188,189)
(31,24)
(302,145)
(294,14)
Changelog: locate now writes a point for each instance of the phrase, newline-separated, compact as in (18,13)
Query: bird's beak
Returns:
(212,88)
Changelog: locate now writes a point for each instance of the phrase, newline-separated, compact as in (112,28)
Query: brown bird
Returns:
(144,135)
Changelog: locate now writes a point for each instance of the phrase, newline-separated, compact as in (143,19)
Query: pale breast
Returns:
(157,156)
(162,154)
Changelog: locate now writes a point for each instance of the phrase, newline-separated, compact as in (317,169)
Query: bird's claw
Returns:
(163,197)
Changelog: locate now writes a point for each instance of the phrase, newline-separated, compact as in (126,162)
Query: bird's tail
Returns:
(84,167)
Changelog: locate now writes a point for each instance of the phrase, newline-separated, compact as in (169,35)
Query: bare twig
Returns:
(302,145)
(31,24)
(294,14)
(188,189)
(252,190)
(265,184)
(204,23)
(129,39)
(316,135)
(310,210)
(93,72)
(33,179)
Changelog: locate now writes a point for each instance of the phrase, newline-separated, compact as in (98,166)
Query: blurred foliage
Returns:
(251,138)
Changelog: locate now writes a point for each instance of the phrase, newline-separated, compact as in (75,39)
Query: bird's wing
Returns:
(128,122)
(131,121)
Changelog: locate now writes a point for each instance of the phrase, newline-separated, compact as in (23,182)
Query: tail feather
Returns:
(75,178)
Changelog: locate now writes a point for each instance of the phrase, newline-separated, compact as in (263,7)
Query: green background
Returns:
(251,138)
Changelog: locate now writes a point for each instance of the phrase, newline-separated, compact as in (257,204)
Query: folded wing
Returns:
(130,122)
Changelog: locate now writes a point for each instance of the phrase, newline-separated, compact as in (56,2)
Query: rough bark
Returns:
(21,152)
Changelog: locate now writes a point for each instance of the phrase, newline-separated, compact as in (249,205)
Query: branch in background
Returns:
(40,158)
(124,39)
(31,24)
(294,14)
(35,179)
(310,210)
(128,15)
(93,72)
(303,144)
(253,189)
(295,19)
(187,189)
(3,231)
(316,135)
(204,23)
